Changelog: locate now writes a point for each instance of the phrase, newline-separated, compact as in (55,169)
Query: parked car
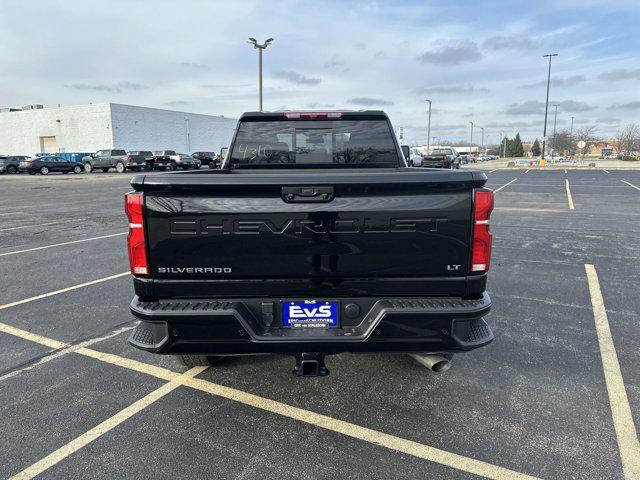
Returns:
(11,163)
(472,158)
(148,157)
(186,161)
(118,159)
(162,159)
(442,158)
(313,251)
(206,158)
(48,164)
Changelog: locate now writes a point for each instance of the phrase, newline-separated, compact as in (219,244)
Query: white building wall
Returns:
(141,128)
(83,128)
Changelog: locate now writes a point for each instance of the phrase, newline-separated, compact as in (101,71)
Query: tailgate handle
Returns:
(307,194)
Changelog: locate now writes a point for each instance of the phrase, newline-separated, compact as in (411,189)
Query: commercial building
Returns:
(87,128)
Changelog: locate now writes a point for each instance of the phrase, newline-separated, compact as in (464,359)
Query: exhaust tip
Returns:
(435,363)
(442,366)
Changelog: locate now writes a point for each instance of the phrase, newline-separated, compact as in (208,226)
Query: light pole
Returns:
(471,140)
(429,127)
(546,105)
(434,141)
(555,118)
(482,128)
(571,133)
(260,48)
(503,144)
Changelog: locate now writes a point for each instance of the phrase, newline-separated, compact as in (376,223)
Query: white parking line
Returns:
(571,207)
(565,170)
(606,171)
(505,185)
(63,290)
(491,171)
(30,226)
(109,424)
(63,243)
(528,171)
(630,184)
(10,213)
(620,409)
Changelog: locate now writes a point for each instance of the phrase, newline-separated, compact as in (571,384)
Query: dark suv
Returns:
(11,164)
(48,164)
(206,158)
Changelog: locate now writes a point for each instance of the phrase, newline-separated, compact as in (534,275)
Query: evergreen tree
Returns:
(518,149)
(535,148)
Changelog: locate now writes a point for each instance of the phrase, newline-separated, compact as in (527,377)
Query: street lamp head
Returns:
(252,40)
(268,41)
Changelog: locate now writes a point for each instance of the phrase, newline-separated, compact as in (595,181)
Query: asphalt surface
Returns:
(534,401)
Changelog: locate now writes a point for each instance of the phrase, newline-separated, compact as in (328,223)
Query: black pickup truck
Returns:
(314,238)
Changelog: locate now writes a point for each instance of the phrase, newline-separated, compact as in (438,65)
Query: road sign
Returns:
(582,144)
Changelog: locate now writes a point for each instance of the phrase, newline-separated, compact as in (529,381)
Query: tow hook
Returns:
(310,364)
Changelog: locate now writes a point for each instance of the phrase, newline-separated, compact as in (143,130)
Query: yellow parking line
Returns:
(63,290)
(62,244)
(109,424)
(391,442)
(505,185)
(571,207)
(32,337)
(630,184)
(620,409)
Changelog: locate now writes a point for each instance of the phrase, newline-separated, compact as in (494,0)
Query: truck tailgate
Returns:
(338,225)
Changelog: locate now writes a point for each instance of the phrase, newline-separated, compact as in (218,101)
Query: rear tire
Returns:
(120,168)
(44,170)
(88,167)
(173,166)
(12,169)
(77,169)
(197,360)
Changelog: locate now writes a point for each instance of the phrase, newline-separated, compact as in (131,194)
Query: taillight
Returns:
(445,159)
(135,241)
(28,163)
(481,244)
(128,158)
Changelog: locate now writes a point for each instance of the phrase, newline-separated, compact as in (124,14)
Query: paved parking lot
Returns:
(554,396)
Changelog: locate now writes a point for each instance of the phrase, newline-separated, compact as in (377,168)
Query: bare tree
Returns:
(587,135)
(563,142)
(629,138)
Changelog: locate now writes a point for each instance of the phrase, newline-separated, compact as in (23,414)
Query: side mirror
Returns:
(223,152)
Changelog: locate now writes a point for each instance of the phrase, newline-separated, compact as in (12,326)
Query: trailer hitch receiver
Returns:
(310,364)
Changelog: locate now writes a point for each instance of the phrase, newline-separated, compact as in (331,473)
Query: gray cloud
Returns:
(626,106)
(334,62)
(573,106)
(608,120)
(532,107)
(368,101)
(194,65)
(511,124)
(452,53)
(113,88)
(177,103)
(620,74)
(298,78)
(446,89)
(558,82)
(320,105)
(501,42)
(581,121)
(525,108)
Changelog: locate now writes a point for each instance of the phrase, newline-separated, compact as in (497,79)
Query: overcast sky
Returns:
(479,61)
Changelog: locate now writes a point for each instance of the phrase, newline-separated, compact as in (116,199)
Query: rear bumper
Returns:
(240,326)
(436,164)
